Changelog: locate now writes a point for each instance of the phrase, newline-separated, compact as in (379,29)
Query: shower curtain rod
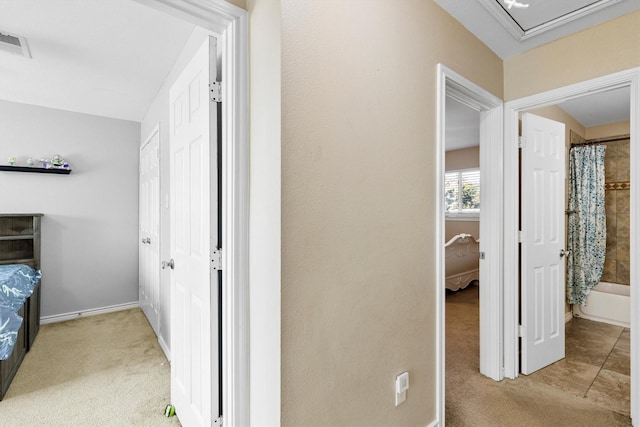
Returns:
(602,140)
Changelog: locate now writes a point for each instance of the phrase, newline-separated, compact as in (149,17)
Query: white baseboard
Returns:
(434,423)
(90,312)
(568,316)
(165,348)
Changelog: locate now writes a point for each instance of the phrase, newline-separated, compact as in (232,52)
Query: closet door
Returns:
(149,236)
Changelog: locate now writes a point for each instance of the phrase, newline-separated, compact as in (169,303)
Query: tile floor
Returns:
(589,387)
(596,366)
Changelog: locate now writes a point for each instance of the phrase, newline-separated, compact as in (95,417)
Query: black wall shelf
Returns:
(34,169)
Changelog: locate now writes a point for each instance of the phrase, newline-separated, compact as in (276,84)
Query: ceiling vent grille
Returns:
(14,44)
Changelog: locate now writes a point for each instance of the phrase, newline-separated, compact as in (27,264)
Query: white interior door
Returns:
(543,242)
(149,243)
(194,317)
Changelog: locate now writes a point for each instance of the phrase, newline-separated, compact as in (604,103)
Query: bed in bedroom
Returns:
(462,261)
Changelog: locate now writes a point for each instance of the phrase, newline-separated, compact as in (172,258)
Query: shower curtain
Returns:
(587,221)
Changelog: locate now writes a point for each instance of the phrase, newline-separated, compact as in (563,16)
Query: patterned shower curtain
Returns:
(587,221)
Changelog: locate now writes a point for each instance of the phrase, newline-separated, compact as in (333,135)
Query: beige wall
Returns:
(241,3)
(465,158)
(594,52)
(612,129)
(358,206)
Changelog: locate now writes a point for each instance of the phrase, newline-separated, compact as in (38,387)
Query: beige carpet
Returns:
(475,400)
(105,370)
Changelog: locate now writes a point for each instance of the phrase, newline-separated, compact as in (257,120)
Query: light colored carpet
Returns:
(475,400)
(104,370)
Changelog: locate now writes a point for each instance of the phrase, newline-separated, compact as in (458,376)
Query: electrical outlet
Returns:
(402,385)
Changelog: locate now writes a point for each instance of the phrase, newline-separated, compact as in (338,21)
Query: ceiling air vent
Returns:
(14,44)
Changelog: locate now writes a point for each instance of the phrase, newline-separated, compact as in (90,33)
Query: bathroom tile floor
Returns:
(596,366)
(589,387)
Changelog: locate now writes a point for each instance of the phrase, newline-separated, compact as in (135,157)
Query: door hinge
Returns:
(482,255)
(216,259)
(215,91)
(522,142)
(521,331)
(218,422)
(520,236)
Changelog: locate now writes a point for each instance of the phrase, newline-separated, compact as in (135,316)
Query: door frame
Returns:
(230,24)
(450,83)
(512,109)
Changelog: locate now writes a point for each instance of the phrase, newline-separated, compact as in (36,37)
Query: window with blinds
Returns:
(462,193)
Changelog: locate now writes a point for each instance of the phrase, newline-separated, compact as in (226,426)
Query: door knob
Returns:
(169,264)
(563,253)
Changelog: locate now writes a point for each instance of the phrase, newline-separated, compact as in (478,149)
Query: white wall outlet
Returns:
(402,385)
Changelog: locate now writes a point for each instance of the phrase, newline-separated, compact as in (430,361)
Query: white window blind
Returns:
(462,193)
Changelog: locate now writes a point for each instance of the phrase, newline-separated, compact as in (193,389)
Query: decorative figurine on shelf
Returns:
(29,161)
(56,162)
(11,160)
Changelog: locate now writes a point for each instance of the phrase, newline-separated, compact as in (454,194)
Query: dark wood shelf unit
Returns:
(20,244)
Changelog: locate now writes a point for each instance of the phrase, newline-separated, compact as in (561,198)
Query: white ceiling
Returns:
(521,29)
(600,108)
(510,31)
(462,129)
(107,58)
(463,123)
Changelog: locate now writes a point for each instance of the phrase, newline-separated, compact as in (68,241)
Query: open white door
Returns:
(543,241)
(195,373)
(149,211)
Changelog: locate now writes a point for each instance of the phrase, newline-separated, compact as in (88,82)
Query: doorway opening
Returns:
(576,239)
(454,87)
(629,79)
(500,328)
(229,25)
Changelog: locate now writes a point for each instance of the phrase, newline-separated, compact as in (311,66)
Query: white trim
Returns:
(629,78)
(635,243)
(491,280)
(519,34)
(457,87)
(164,347)
(462,217)
(90,312)
(439,240)
(147,140)
(230,24)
